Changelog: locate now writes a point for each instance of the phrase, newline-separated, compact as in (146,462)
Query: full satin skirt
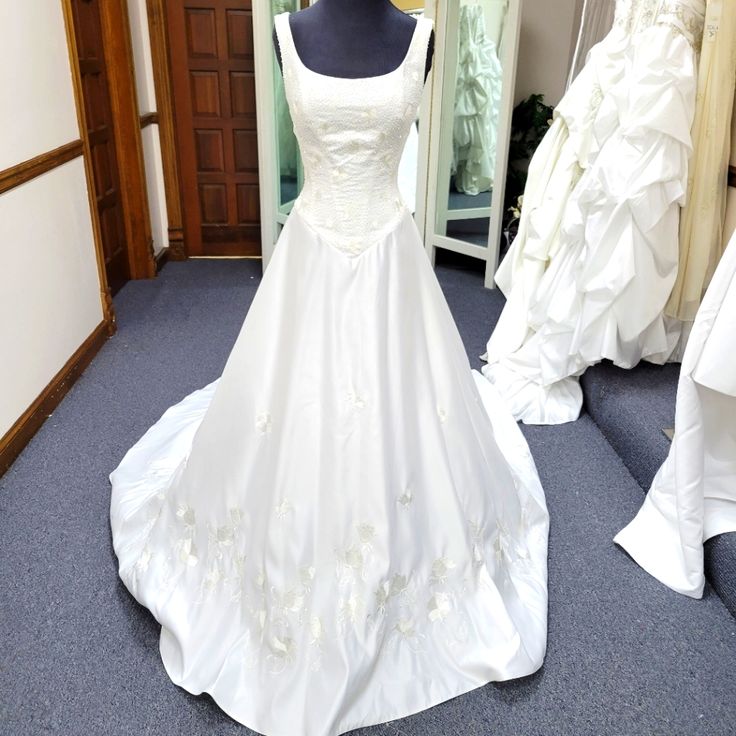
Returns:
(347,526)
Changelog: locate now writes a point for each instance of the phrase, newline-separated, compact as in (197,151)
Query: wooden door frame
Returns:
(160,56)
(117,45)
(181,111)
(108,310)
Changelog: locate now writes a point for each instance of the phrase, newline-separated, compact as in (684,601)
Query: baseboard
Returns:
(161,259)
(21,433)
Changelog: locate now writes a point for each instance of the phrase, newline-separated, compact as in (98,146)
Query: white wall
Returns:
(548,35)
(155,187)
(37,112)
(49,287)
(142,55)
(151,141)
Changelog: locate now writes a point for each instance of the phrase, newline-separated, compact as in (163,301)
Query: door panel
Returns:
(212,65)
(101,135)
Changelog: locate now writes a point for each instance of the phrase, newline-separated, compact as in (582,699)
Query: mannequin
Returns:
(353,38)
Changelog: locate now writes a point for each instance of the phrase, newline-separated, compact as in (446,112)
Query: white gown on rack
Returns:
(589,274)
(693,495)
(347,526)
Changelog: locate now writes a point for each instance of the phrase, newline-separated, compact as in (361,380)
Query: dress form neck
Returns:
(352,38)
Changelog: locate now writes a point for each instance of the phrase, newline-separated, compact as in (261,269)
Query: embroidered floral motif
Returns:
(441,568)
(284,508)
(350,610)
(263,422)
(684,18)
(357,399)
(280,616)
(438,607)
(406,498)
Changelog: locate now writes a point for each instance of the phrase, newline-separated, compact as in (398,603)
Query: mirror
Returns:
(469,147)
(288,162)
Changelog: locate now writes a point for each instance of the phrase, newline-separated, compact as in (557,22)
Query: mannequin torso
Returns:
(353,38)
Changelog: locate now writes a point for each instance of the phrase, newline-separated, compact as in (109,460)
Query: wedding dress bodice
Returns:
(351,134)
(683,16)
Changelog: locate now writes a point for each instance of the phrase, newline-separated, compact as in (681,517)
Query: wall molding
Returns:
(27,170)
(20,434)
(149,118)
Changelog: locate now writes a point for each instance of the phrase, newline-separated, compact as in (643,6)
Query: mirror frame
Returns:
(273,215)
(428,183)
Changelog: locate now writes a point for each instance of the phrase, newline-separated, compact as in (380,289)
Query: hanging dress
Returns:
(693,495)
(596,257)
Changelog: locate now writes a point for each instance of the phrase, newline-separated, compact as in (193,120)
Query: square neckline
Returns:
(302,65)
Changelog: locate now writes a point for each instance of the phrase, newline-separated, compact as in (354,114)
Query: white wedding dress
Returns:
(589,274)
(346,527)
(693,495)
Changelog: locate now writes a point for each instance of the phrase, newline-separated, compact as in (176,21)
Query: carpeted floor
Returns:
(626,655)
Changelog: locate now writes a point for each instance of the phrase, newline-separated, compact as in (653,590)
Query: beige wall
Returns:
(37,112)
(49,287)
(548,35)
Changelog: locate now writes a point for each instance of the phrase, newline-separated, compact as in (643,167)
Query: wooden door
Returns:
(212,64)
(101,135)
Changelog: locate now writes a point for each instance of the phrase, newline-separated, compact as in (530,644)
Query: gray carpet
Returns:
(79,656)
(632,408)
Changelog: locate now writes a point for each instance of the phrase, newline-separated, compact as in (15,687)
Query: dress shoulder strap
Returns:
(416,60)
(286,43)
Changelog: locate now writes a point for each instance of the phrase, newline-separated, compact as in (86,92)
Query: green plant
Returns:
(530,121)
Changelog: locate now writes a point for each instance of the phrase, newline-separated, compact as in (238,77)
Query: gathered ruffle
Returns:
(609,266)
(623,224)
(477,104)
(565,152)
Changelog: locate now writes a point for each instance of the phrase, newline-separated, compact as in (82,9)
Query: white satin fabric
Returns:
(408,169)
(693,496)
(347,526)
(596,257)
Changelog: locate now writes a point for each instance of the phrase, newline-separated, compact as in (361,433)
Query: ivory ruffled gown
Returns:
(347,526)
(589,274)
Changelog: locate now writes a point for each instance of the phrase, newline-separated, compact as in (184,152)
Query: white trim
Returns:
(264,60)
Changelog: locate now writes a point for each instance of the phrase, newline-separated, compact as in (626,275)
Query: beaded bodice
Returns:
(682,16)
(351,135)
